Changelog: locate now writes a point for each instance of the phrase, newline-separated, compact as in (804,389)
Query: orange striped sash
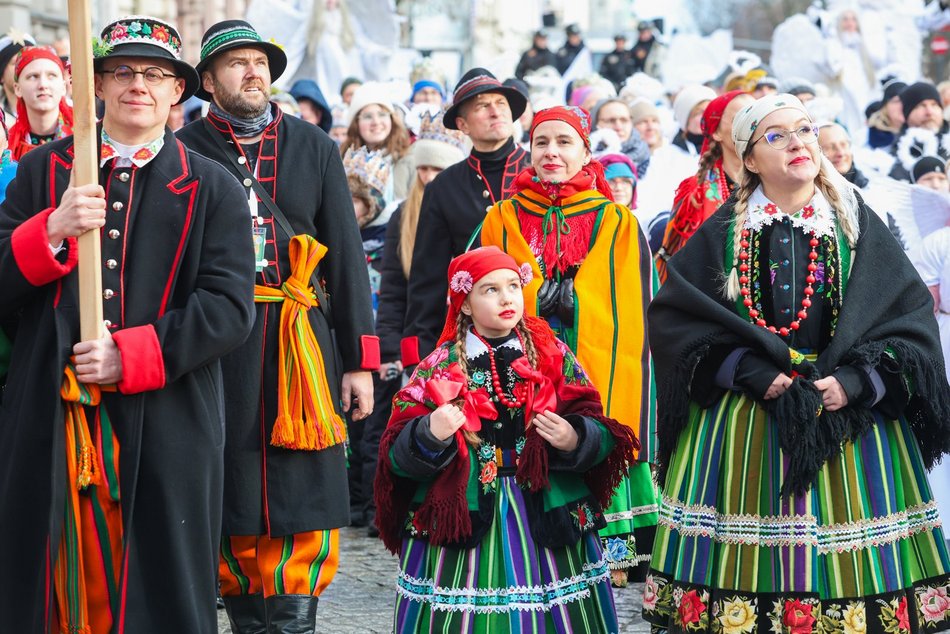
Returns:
(306,417)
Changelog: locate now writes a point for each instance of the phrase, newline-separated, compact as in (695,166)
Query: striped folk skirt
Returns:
(507,583)
(631,520)
(861,552)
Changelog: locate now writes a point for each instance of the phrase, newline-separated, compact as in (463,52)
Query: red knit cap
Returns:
(712,115)
(464,272)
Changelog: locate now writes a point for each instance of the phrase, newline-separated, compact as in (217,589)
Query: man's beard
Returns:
(236,104)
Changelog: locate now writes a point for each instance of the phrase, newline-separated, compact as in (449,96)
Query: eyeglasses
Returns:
(125,75)
(779,139)
(617,121)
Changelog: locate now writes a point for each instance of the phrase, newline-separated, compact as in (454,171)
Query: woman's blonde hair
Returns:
(409,223)
(463,322)
(837,191)
(395,146)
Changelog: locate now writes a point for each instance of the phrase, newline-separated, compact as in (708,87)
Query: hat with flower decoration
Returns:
(229,34)
(144,36)
(464,272)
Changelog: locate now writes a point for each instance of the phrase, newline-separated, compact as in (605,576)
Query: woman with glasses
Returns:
(801,396)
(374,124)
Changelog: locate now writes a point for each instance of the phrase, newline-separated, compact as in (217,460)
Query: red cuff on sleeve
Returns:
(369,345)
(143,367)
(409,349)
(31,250)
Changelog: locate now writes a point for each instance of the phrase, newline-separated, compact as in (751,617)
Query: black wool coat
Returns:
(272,490)
(176,255)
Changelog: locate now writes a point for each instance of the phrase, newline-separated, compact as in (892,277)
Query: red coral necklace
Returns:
(746,291)
(515,403)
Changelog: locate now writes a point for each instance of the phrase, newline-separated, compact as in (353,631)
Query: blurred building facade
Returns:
(47,20)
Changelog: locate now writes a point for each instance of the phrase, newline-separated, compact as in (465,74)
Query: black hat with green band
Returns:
(230,34)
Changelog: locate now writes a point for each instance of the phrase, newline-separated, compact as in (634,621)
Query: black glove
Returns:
(565,302)
(547,298)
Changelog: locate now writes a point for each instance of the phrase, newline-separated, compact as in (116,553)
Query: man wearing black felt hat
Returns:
(285,480)
(116,481)
(455,202)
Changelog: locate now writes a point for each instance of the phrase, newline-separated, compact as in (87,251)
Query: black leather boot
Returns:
(291,614)
(246,613)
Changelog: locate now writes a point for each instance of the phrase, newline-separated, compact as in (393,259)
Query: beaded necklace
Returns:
(746,291)
(511,403)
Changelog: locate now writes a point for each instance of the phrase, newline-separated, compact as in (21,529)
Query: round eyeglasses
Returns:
(124,75)
(779,139)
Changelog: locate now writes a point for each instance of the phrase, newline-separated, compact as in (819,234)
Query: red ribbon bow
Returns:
(540,395)
(476,404)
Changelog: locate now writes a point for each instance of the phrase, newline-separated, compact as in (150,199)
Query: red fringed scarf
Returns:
(695,201)
(443,514)
(561,240)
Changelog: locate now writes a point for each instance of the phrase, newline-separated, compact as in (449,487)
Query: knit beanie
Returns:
(913,95)
(687,99)
(640,110)
(928,165)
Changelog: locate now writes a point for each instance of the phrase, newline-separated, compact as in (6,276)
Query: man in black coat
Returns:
(618,64)
(455,202)
(112,512)
(571,49)
(285,493)
(536,57)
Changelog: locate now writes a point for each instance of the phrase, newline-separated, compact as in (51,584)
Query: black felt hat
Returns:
(476,82)
(144,36)
(230,34)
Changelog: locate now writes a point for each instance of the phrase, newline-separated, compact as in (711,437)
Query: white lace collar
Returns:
(817,216)
(474,347)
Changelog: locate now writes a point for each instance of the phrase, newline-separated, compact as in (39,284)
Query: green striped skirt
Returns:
(507,583)
(861,552)
(631,519)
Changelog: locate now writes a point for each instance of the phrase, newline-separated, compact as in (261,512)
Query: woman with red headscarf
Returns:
(592,282)
(699,196)
(42,112)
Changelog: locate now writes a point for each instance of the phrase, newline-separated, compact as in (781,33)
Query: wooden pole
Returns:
(85,165)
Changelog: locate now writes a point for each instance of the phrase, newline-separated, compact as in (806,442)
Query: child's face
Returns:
(362,212)
(496,303)
(935,181)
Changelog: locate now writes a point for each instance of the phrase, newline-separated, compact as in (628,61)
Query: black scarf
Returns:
(886,321)
(244,128)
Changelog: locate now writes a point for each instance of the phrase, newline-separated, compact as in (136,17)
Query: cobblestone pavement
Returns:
(360,599)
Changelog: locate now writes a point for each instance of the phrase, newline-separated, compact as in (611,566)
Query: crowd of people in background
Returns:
(361,397)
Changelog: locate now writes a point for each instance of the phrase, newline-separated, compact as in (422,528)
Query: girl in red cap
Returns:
(592,282)
(494,470)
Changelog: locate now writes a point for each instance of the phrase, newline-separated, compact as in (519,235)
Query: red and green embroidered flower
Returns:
(160,33)
(797,617)
(691,608)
